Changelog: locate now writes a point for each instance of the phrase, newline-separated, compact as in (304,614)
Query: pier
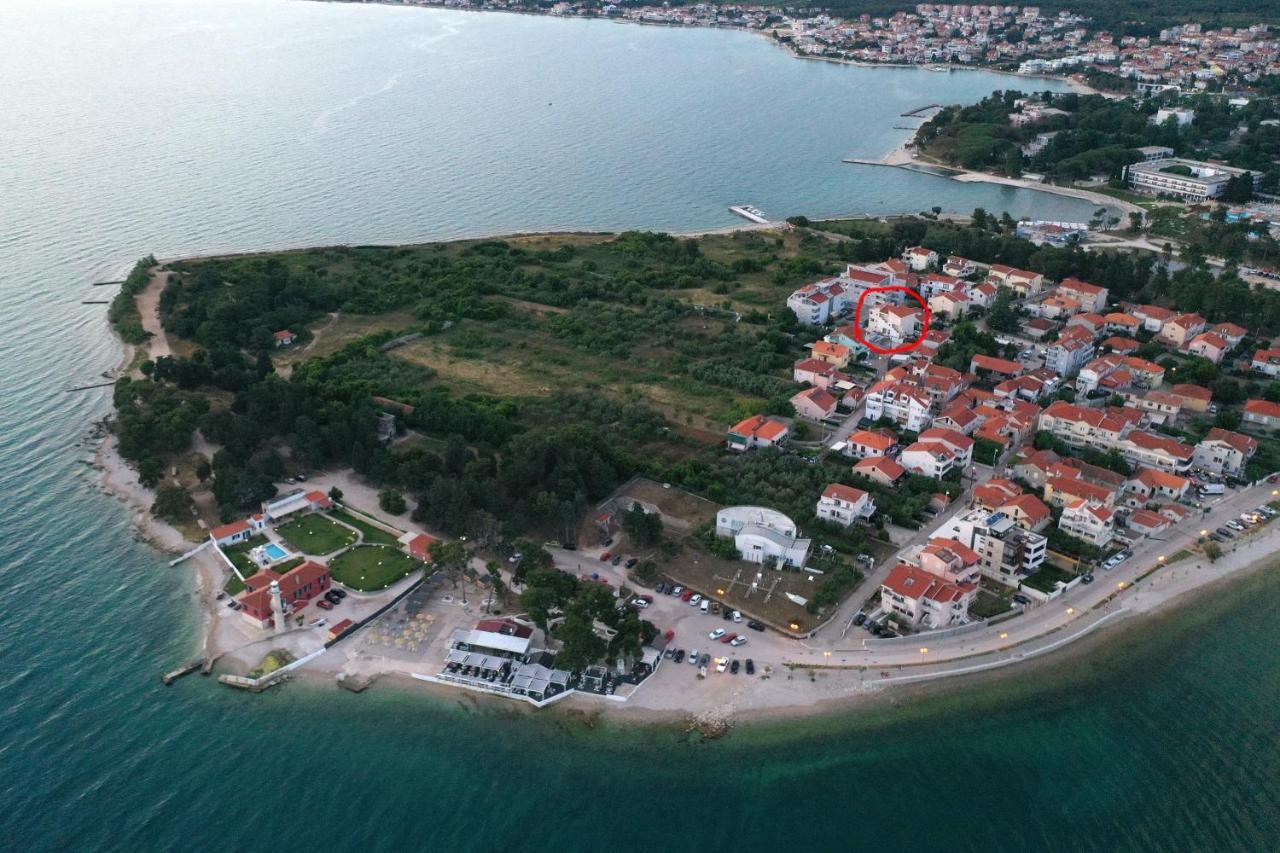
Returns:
(169,677)
(107,283)
(920,110)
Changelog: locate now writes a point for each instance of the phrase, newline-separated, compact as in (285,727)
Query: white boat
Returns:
(746,211)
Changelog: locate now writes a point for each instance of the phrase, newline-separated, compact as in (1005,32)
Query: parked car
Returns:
(696,598)
(686,595)
(859,619)
(738,641)
(616,560)
(339,591)
(693,657)
(675,590)
(737,616)
(1021,599)
(715,607)
(704,606)
(728,614)
(604,556)
(733,667)
(568,546)
(631,562)
(755,626)
(705,660)
(716,634)
(1086,579)
(722,664)
(661,588)
(679,655)
(333,596)
(324,604)
(639,603)
(751,667)
(726,638)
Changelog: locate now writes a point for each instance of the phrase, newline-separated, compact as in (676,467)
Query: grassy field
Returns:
(1048,575)
(371,567)
(315,534)
(372,535)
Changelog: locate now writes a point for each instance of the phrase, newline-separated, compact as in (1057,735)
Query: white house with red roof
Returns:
(1091,296)
(757,431)
(1224,452)
(238,531)
(418,545)
(843,505)
(880,469)
(1267,361)
(1156,451)
(925,601)
(1028,512)
(1091,522)
(920,259)
(897,323)
(870,442)
(930,458)
(1209,345)
(959,267)
(1147,484)
(1182,328)
(957,442)
(284,337)
(814,404)
(1263,413)
(1022,282)
(295,501)
(901,402)
(951,560)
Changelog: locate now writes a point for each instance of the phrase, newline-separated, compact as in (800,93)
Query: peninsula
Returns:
(702,476)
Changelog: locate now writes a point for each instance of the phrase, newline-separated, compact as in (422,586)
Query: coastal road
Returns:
(1077,609)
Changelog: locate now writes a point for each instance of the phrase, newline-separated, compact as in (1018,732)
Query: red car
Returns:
(728,638)
(324,604)
(686,595)
(604,556)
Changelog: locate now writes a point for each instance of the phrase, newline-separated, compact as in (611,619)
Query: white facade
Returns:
(763,535)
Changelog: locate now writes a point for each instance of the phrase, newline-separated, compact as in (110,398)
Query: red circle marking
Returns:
(907,347)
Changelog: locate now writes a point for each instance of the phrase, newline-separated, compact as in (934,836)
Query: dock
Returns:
(920,110)
(95,302)
(749,213)
(107,283)
(169,677)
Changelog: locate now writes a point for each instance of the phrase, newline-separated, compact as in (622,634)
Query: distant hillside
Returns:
(1107,13)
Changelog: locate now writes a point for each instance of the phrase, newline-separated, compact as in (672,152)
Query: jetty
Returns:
(749,213)
(95,302)
(107,283)
(920,110)
(88,387)
(169,677)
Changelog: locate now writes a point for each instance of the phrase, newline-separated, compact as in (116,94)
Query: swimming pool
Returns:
(274,552)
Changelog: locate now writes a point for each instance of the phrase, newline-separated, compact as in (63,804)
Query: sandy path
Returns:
(149,307)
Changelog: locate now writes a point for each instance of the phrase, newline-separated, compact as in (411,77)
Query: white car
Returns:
(716,634)
(737,616)
(639,603)
(694,599)
(722,664)
(738,641)
(693,657)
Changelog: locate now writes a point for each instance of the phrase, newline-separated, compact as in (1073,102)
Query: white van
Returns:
(737,616)
(705,606)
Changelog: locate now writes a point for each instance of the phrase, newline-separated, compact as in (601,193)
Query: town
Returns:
(1185,57)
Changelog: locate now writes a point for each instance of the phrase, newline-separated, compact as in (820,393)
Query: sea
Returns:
(180,127)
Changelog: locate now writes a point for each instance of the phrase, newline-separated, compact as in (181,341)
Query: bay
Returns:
(193,127)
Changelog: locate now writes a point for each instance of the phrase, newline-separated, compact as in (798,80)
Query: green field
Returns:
(371,567)
(315,534)
(372,535)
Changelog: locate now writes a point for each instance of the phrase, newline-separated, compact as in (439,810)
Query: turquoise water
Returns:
(274,551)
(170,127)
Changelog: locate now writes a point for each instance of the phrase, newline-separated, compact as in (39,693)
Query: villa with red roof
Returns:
(951,560)
(284,338)
(815,404)
(757,431)
(924,600)
(881,469)
(298,587)
(843,505)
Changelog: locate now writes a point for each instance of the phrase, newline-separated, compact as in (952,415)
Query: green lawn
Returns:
(372,535)
(315,534)
(1044,579)
(371,567)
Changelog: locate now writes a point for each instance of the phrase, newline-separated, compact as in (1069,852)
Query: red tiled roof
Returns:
(225,530)
(842,492)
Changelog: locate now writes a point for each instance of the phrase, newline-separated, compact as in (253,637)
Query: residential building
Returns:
(1090,296)
(1087,521)
(1078,426)
(284,338)
(296,587)
(1224,452)
(1188,180)
(757,431)
(1267,361)
(1209,345)
(903,403)
(1006,552)
(930,458)
(870,442)
(925,601)
(920,259)
(1147,484)
(844,505)
(880,469)
(1028,512)
(1156,451)
(1262,413)
(950,560)
(815,404)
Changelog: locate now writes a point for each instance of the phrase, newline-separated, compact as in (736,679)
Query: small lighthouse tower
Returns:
(277,606)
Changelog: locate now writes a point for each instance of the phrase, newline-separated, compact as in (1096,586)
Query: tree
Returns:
(644,528)
(172,503)
(335,494)
(450,558)
(390,500)
(203,469)
(1135,221)
(1213,551)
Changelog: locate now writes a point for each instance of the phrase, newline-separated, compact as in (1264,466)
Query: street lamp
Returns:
(1004,635)
(1070,610)
(1120,585)
(924,650)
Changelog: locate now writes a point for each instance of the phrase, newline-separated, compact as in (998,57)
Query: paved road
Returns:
(1112,591)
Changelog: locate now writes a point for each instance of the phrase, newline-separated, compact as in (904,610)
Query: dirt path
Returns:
(149,307)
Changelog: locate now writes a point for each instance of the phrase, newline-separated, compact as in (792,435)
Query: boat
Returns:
(746,211)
